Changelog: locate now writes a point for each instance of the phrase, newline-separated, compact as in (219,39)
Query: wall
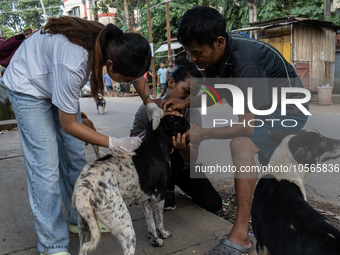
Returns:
(279,37)
(315,46)
(337,73)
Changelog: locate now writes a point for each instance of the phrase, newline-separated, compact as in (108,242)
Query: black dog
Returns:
(105,188)
(283,222)
(101,102)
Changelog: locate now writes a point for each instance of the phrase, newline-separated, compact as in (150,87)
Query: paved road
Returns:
(16,219)
(194,230)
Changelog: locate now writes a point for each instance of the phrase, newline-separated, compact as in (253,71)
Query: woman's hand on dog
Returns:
(125,144)
(154,114)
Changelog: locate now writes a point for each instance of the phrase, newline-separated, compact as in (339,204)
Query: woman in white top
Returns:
(44,79)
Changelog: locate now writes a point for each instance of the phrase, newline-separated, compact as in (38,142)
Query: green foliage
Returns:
(235,13)
(336,19)
(273,9)
(314,9)
(20,15)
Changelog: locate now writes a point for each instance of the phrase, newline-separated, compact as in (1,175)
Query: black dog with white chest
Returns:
(283,222)
(107,186)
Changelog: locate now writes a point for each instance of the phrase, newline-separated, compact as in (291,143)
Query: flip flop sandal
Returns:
(227,247)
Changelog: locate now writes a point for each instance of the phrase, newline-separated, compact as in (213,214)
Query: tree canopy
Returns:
(18,15)
(235,12)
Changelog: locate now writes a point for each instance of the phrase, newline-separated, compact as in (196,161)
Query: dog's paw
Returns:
(158,242)
(164,234)
(148,235)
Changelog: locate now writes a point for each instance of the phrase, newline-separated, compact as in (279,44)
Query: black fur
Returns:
(152,159)
(106,186)
(282,220)
(297,227)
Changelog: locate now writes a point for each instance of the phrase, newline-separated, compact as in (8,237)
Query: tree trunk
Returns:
(127,19)
(327,10)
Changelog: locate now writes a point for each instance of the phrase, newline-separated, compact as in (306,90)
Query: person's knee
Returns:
(237,144)
(243,145)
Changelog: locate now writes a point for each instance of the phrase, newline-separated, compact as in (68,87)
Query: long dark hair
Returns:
(130,53)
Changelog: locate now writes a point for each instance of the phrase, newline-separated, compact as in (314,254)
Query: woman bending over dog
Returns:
(44,79)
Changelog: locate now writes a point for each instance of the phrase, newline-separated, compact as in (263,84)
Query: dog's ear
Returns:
(277,136)
(302,155)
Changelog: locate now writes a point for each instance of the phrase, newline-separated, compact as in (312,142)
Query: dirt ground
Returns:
(227,191)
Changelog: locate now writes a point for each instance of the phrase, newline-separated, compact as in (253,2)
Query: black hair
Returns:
(201,24)
(183,70)
(130,54)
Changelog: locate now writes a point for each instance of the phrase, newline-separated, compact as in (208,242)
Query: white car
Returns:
(86,90)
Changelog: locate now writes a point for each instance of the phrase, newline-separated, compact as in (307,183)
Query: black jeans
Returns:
(199,189)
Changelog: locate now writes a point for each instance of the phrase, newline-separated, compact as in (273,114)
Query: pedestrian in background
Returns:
(170,68)
(161,75)
(108,84)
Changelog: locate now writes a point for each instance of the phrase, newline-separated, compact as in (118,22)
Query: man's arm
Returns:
(198,134)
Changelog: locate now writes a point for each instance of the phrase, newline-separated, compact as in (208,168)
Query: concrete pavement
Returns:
(194,230)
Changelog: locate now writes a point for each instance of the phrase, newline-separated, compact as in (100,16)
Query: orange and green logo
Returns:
(209,93)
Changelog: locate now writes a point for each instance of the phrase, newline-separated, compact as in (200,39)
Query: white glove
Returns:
(125,144)
(154,114)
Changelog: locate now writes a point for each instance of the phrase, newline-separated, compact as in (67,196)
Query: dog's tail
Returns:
(83,115)
(81,201)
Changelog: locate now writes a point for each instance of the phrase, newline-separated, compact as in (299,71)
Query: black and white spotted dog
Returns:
(283,222)
(106,186)
(101,102)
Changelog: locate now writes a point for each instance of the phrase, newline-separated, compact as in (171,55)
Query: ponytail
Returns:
(105,37)
(130,54)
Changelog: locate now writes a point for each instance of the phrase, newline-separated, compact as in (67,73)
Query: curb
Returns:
(8,124)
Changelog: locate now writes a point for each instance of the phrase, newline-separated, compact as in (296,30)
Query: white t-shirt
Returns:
(49,66)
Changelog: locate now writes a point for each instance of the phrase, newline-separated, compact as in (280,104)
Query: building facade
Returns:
(84,9)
